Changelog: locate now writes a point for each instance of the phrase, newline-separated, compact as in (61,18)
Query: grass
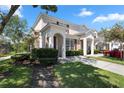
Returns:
(8,54)
(20,76)
(11,53)
(109,59)
(78,75)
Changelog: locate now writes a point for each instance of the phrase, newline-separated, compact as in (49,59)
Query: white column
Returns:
(51,42)
(64,48)
(69,43)
(92,47)
(40,41)
(110,46)
(85,46)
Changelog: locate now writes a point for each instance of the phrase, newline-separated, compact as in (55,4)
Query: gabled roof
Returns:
(51,19)
(81,29)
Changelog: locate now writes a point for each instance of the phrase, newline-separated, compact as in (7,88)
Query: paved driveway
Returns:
(115,68)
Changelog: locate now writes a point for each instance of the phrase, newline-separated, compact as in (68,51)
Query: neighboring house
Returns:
(4,44)
(52,32)
(101,44)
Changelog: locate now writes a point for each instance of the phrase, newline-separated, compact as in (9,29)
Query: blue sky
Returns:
(93,16)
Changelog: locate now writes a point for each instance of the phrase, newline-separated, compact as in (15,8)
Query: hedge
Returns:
(46,56)
(21,57)
(96,51)
(74,53)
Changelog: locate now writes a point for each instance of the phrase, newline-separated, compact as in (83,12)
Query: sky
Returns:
(93,16)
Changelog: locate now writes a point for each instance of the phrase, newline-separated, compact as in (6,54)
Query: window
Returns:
(67,26)
(75,42)
(57,23)
(67,31)
(81,44)
(67,43)
(72,44)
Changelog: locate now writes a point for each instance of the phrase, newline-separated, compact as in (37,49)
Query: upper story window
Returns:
(67,31)
(57,23)
(67,26)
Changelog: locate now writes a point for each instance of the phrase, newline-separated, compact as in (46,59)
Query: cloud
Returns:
(6,8)
(109,17)
(84,12)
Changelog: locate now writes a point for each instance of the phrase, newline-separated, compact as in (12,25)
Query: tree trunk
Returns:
(121,51)
(7,17)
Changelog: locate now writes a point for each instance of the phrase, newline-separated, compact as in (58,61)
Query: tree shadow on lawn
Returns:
(42,77)
(77,75)
(20,78)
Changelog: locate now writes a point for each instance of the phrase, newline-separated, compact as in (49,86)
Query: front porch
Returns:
(55,36)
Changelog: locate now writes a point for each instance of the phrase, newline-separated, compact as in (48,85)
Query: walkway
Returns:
(115,68)
(4,58)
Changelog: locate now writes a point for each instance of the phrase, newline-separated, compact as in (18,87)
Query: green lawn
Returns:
(20,76)
(109,59)
(78,75)
(8,54)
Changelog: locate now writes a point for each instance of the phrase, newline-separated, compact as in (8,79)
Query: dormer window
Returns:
(67,31)
(67,26)
(57,23)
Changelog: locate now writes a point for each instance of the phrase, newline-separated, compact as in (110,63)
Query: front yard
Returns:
(78,75)
(14,76)
(71,75)
(109,59)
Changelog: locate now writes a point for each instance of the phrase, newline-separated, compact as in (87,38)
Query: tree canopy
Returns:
(116,33)
(4,18)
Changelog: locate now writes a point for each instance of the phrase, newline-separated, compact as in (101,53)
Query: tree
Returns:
(4,19)
(51,8)
(29,41)
(116,34)
(15,30)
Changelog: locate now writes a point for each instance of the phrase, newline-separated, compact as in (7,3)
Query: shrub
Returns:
(44,53)
(106,52)
(69,53)
(46,56)
(113,53)
(96,51)
(47,61)
(116,53)
(74,53)
(20,57)
(2,55)
(81,51)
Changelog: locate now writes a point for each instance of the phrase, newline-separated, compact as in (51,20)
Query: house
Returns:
(52,32)
(4,44)
(101,44)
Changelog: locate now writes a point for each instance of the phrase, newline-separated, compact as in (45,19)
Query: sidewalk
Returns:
(4,58)
(115,68)
(112,67)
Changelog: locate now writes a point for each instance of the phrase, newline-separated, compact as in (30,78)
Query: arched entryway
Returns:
(58,43)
